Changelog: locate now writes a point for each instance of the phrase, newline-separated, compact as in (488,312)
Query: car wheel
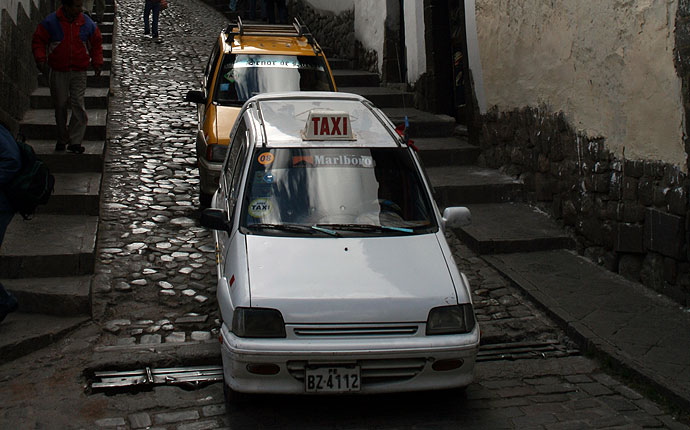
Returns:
(205,199)
(234,399)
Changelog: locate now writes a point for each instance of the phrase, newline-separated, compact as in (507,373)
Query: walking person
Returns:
(152,7)
(64,45)
(10,163)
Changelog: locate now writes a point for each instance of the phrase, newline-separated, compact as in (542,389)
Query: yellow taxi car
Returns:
(248,60)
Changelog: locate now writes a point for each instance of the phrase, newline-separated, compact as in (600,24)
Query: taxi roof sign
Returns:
(328,125)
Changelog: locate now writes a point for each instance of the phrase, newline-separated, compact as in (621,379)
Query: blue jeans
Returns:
(148,8)
(7,301)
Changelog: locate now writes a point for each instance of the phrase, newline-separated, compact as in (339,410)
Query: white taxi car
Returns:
(334,274)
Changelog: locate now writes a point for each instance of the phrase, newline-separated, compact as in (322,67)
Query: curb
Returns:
(588,341)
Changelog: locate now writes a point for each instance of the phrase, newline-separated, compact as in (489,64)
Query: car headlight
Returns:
(450,319)
(258,322)
(216,152)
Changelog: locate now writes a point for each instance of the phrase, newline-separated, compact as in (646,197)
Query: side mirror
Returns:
(455,217)
(195,97)
(215,219)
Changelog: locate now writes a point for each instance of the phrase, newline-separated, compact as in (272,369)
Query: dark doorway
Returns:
(447,52)
(460,65)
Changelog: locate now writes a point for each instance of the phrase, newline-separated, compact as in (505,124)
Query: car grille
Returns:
(354,330)
(372,372)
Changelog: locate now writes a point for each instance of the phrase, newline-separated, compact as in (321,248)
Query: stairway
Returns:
(501,220)
(48,262)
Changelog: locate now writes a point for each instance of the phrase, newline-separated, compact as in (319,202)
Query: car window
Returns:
(243,76)
(233,164)
(210,67)
(336,187)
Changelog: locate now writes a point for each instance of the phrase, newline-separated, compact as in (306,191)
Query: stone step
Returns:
(464,185)
(92,81)
(107,25)
(22,333)
(512,227)
(339,63)
(75,194)
(444,151)
(355,78)
(62,161)
(49,245)
(40,124)
(382,97)
(107,50)
(67,296)
(422,124)
(94,98)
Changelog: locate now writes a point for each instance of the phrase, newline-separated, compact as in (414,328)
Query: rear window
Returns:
(244,76)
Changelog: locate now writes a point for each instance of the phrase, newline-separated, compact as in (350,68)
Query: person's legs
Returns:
(79,118)
(8,302)
(156,8)
(59,92)
(99,10)
(147,12)
(87,7)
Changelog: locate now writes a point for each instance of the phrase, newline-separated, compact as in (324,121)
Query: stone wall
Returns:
(334,32)
(630,216)
(18,74)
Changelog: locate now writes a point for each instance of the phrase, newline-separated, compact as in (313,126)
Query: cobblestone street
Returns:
(155,264)
(156,278)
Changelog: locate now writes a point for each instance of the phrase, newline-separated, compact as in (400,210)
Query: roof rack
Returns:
(297,29)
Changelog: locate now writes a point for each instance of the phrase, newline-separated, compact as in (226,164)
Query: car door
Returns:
(202,108)
(230,182)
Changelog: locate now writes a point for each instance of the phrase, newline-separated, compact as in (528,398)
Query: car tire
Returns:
(205,200)
(234,399)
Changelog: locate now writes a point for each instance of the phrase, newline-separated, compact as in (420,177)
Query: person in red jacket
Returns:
(64,45)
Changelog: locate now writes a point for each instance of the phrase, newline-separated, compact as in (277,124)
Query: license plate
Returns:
(332,379)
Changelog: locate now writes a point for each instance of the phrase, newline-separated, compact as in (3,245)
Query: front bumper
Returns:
(386,364)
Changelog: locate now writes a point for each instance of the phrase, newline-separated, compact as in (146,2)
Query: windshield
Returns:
(335,191)
(244,76)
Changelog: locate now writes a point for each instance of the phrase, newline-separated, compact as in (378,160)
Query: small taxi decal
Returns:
(260,207)
(327,125)
(265,158)
(232,280)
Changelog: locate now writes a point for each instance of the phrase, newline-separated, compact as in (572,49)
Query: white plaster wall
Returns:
(608,65)
(414,40)
(335,6)
(370,18)
(11,6)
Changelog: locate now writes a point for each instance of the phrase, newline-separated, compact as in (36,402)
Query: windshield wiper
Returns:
(365,227)
(299,228)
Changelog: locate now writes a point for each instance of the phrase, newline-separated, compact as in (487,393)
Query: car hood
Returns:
(349,280)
